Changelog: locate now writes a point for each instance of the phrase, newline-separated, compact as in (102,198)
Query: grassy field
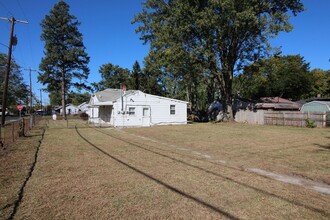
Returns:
(198,171)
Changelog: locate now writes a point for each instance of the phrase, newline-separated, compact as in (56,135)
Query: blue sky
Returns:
(109,35)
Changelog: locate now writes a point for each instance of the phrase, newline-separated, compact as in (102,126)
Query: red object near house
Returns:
(20,107)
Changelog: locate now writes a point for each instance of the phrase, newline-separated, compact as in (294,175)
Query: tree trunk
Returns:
(225,79)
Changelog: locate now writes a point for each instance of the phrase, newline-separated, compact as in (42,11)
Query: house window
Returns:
(131,111)
(145,112)
(172,109)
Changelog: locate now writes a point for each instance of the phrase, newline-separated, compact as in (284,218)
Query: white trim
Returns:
(102,103)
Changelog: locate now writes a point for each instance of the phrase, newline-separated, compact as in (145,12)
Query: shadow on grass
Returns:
(219,175)
(178,191)
(32,135)
(21,191)
(326,147)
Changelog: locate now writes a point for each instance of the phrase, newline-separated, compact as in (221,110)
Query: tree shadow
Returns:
(172,188)
(324,146)
(21,191)
(201,169)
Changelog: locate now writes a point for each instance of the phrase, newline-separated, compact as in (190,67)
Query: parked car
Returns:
(6,113)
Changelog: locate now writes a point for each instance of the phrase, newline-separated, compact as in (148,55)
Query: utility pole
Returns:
(31,96)
(6,80)
(41,99)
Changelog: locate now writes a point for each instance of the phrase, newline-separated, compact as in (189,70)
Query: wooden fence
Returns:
(284,118)
(250,117)
(298,119)
(13,130)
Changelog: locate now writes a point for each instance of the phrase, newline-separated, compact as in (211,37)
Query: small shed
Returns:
(118,108)
(316,106)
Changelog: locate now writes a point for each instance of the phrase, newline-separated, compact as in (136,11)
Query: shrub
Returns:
(310,123)
(84,116)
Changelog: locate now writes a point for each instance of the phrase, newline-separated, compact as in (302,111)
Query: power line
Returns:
(32,58)
(6,9)
(4,45)
(20,6)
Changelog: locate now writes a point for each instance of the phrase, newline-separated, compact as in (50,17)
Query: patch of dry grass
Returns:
(112,174)
(288,150)
(16,162)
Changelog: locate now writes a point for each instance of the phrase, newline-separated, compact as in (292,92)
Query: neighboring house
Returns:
(83,107)
(277,104)
(119,108)
(316,106)
(70,109)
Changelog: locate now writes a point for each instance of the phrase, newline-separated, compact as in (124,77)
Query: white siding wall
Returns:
(157,107)
(93,113)
(70,110)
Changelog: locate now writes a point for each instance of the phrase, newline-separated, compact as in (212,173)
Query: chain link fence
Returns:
(11,131)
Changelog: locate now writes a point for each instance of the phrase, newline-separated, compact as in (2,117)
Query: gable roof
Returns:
(277,103)
(56,108)
(108,96)
(275,100)
(111,94)
(82,104)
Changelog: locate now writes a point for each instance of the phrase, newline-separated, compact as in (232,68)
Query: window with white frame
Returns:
(172,109)
(131,111)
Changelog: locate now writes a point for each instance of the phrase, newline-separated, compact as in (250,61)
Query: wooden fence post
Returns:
(13,131)
(1,140)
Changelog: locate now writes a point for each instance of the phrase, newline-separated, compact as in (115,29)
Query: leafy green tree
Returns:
(320,83)
(282,76)
(112,76)
(175,52)
(222,36)
(65,57)
(54,98)
(151,77)
(78,98)
(18,91)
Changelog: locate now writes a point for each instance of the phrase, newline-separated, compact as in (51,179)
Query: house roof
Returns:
(318,99)
(60,107)
(275,100)
(82,104)
(111,94)
(108,96)
(277,103)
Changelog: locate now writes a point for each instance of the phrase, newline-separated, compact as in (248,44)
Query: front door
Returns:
(145,116)
(105,113)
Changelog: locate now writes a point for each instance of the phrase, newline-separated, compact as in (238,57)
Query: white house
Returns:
(69,108)
(83,107)
(118,108)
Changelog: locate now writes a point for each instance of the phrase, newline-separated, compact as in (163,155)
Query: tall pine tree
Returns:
(65,57)
(136,76)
